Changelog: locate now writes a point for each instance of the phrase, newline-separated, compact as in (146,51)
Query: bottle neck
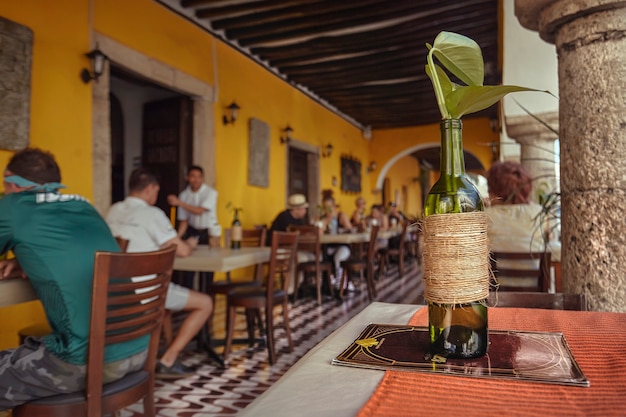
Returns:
(452,161)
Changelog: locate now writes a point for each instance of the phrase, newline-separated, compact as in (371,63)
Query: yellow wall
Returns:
(154,30)
(476,135)
(60,102)
(264,96)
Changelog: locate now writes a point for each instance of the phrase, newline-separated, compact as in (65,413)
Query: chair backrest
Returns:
(249,237)
(371,247)
(515,265)
(122,243)
(123,310)
(558,301)
(282,259)
(308,238)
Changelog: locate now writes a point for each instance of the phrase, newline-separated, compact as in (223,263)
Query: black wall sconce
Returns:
(97,60)
(233,108)
(286,138)
(371,167)
(328,149)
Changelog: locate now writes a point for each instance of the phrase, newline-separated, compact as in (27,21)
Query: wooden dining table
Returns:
(315,387)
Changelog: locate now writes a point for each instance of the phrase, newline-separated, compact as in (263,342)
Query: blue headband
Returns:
(33,186)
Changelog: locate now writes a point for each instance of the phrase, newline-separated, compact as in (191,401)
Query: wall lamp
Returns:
(97,60)
(328,149)
(371,167)
(230,118)
(286,138)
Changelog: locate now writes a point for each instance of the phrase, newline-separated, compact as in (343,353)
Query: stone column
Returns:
(101,142)
(204,138)
(537,149)
(590,39)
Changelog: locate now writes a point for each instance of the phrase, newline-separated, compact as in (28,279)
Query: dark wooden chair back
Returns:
(274,292)
(369,266)
(122,243)
(249,237)
(282,260)
(309,241)
(119,313)
(535,265)
(558,301)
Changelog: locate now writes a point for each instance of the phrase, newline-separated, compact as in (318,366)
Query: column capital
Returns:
(526,129)
(548,16)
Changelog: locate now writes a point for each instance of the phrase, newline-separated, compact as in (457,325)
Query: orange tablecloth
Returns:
(597,341)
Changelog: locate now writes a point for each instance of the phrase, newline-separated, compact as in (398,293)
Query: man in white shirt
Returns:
(147,228)
(197,209)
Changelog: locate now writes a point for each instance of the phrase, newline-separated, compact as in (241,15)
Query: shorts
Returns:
(31,372)
(176,298)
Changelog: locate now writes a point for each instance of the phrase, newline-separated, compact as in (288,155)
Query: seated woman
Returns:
(514,222)
(378,217)
(333,222)
(358,216)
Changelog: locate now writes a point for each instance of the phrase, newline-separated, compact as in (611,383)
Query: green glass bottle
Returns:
(455,330)
(235,232)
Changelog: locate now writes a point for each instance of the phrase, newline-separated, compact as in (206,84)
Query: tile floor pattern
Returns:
(224,392)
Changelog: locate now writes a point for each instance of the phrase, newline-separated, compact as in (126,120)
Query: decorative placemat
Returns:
(519,355)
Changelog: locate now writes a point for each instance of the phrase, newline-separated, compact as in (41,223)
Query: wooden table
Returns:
(211,259)
(311,386)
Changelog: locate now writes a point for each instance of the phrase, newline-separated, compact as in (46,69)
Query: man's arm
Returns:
(177,202)
(182,228)
(11,269)
(183,247)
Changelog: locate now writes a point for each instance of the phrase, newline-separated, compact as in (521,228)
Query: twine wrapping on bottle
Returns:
(456,258)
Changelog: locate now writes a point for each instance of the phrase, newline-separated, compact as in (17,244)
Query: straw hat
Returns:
(297,201)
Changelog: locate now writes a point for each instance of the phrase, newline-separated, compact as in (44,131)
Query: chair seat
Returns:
(253,296)
(312,265)
(224,287)
(127,382)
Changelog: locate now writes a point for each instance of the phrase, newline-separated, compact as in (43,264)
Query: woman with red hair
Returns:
(515,223)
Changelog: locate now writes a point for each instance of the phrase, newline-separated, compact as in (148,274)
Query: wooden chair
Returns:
(369,266)
(523,261)
(119,313)
(122,243)
(266,297)
(387,253)
(309,241)
(558,301)
(249,238)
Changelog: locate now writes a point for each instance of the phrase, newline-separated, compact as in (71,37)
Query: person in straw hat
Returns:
(294,214)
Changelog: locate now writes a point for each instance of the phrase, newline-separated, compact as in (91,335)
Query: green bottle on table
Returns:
(455,330)
(235,232)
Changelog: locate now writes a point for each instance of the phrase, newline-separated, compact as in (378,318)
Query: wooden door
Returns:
(166,144)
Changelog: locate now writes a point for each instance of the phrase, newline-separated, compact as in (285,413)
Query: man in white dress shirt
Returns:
(197,209)
(147,228)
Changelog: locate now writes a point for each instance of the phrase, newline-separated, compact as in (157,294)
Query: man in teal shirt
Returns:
(54,238)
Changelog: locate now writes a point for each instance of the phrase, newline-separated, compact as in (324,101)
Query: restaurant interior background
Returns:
(156,54)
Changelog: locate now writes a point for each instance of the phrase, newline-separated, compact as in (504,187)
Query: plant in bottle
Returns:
(456,252)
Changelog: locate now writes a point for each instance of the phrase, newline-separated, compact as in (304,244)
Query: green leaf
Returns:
(470,99)
(461,56)
(447,86)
